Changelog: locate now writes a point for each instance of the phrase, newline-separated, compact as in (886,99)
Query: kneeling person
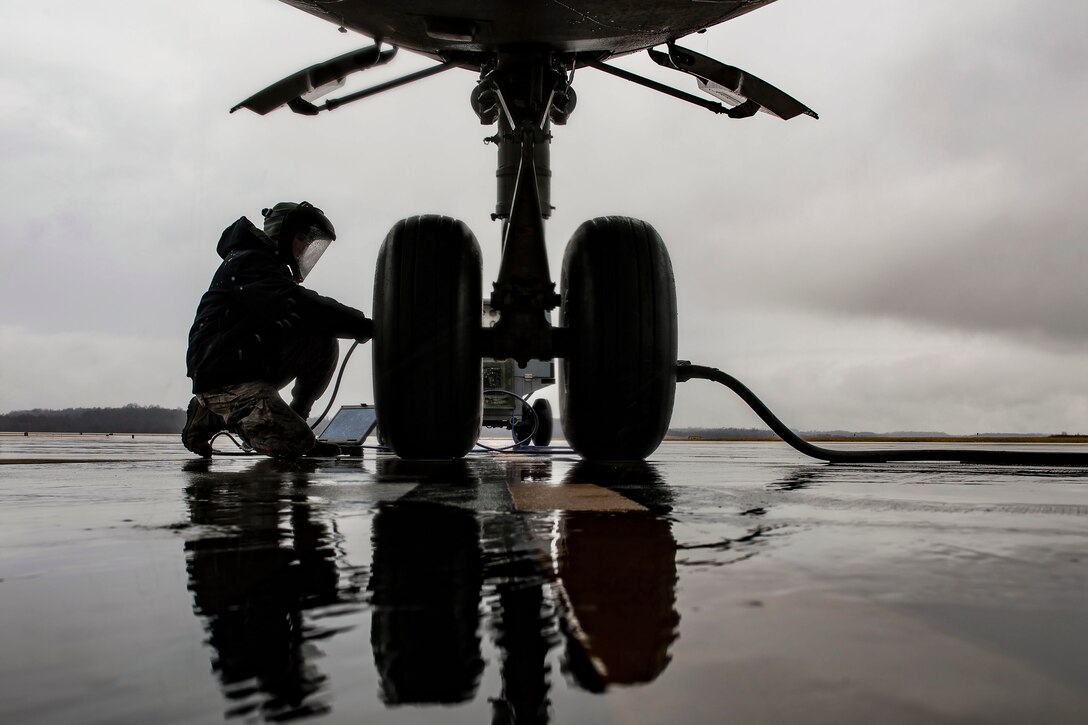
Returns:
(257,329)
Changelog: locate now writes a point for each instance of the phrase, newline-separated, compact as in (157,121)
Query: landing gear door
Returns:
(741,90)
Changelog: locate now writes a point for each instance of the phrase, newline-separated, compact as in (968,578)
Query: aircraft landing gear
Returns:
(427,300)
(617,334)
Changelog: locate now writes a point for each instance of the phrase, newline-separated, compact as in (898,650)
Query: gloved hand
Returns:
(365,332)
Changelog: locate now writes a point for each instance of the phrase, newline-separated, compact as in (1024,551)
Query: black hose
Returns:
(336,387)
(686,371)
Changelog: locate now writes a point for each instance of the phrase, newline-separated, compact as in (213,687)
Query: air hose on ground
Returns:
(686,371)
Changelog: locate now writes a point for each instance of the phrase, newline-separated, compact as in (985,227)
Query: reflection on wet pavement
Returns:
(269,558)
(540,589)
(617,574)
(598,581)
(425,591)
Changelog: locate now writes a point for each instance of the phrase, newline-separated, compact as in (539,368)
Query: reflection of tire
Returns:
(625,605)
(427,301)
(618,382)
(425,590)
(543,410)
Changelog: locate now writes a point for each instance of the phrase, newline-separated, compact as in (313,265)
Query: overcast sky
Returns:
(914,260)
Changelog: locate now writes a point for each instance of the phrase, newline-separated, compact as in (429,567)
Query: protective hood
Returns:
(242,235)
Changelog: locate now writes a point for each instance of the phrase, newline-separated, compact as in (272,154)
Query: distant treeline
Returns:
(720,433)
(128,419)
(749,433)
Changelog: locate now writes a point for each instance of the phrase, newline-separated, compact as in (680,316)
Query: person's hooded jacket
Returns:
(252,308)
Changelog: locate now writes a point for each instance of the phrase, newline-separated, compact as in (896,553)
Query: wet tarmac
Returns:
(717,583)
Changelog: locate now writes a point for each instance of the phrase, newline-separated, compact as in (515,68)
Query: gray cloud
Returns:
(942,185)
(893,265)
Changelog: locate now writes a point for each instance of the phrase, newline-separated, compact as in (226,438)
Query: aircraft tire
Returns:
(544,422)
(618,382)
(427,300)
(523,431)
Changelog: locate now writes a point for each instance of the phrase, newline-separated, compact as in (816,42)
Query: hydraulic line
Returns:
(686,371)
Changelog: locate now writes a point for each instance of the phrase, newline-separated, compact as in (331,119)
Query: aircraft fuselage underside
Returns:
(440,28)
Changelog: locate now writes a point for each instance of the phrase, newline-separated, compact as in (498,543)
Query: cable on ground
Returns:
(686,371)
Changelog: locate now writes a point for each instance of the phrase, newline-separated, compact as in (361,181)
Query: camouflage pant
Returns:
(258,413)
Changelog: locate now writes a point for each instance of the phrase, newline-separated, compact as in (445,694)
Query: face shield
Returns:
(314,242)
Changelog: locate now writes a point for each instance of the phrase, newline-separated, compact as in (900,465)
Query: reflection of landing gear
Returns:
(425,591)
(619,306)
(427,297)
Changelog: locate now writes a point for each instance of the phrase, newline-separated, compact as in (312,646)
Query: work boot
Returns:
(200,425)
